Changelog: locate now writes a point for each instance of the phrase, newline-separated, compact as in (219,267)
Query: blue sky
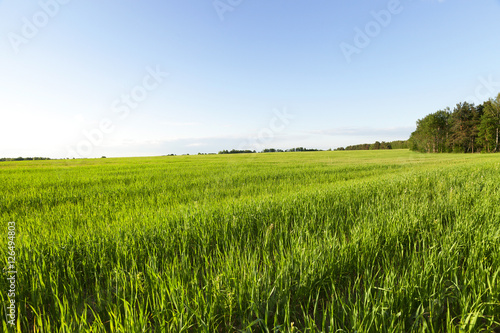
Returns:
(139,78)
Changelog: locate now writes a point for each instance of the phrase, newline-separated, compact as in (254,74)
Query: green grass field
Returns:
(366,241)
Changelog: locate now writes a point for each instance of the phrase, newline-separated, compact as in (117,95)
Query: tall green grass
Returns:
(385,241)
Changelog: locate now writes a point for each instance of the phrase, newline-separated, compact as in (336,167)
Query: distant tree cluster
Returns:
(267,150)
(363,146)
(374,146)
(272,150)
(468,129)
(399,144)
(235,151)
(6,159)
(301,149)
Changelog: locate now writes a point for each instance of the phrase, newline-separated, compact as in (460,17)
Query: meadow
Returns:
(347,241)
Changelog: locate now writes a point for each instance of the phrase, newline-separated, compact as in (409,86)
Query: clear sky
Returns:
(138,78)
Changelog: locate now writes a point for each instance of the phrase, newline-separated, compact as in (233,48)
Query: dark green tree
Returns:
(432,133)
(463,127)
(375,146)
(489,127)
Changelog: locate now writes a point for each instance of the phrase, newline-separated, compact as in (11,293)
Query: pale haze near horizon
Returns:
(129,78)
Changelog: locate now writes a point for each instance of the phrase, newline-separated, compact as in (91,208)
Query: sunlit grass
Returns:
(325,241)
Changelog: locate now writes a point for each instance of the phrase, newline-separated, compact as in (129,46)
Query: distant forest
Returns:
(400,144)
(6,159)
(267,150)
(466,129)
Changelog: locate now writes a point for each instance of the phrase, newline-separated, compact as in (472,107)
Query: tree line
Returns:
(7,159)
(467,128)
(398,144)
(267,150)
